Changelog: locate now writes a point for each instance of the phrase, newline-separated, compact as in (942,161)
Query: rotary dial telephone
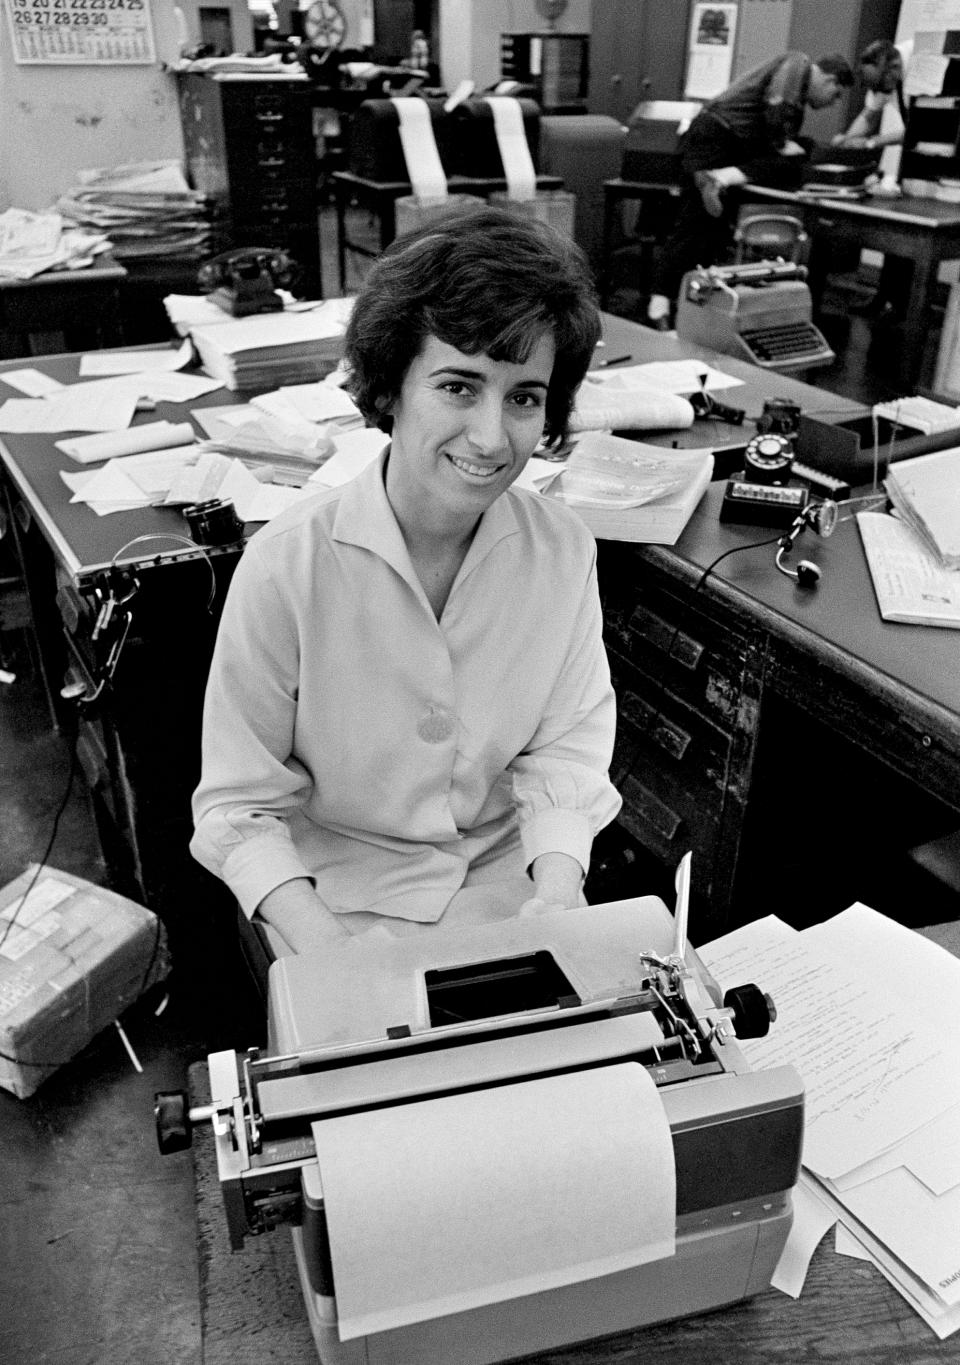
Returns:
(245,281)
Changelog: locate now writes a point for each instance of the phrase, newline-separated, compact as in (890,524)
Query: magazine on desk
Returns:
(926,493)
(626,490)
(911,584)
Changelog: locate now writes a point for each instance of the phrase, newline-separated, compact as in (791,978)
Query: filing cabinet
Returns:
(250,148)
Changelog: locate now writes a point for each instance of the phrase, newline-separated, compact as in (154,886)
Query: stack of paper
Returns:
(291,431)
(926,493)
(31,243)
(621,400)
(626,490)
(919,414)
(866,1012)
(268,350)
(147,208)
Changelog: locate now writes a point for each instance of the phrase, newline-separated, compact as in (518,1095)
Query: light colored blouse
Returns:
(351,737)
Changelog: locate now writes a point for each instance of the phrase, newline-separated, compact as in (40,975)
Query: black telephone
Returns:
(245,281)
(761,494)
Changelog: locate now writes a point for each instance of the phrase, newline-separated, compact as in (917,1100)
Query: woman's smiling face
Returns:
(464,427)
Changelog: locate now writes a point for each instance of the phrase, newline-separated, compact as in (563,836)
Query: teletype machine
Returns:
(497,1140)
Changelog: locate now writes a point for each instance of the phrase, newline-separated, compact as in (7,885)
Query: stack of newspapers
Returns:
(146,208)
(867,1014)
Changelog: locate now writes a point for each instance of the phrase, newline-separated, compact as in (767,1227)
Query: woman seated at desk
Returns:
(409,718)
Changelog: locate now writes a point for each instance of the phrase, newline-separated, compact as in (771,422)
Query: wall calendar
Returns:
(81,32)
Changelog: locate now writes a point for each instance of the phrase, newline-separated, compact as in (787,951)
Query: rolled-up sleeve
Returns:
(250,784)
(561,787)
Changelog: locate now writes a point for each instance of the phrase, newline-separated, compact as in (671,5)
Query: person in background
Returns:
(409,718)
(418,58)
(883,67)
(748,131)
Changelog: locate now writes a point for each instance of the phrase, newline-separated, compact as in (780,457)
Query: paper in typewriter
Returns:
(450,1204)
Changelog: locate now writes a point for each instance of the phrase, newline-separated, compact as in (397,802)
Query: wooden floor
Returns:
(98,1249)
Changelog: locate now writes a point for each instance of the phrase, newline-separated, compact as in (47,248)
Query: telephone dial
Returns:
(245,281)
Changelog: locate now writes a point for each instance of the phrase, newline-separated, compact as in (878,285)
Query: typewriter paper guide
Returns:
(517,1189)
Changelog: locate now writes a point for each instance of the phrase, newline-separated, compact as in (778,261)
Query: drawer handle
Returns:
(667,736)
(679,646)
(672,739)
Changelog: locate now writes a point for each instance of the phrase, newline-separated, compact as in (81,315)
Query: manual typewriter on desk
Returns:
(378,1024)
(760,311)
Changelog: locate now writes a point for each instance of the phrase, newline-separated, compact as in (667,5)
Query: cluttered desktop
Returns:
(757,598)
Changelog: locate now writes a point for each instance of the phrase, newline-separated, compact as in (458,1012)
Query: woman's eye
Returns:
(456,387)
(528,400)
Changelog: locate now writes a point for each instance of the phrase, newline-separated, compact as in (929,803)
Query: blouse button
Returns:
(437,726)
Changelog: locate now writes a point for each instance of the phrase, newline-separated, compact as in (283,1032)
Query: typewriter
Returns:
(760,311)
(394,1031)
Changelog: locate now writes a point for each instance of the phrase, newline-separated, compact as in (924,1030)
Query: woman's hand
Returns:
(558,884)
(300,917)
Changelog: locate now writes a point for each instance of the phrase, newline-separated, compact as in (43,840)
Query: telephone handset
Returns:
(245,281)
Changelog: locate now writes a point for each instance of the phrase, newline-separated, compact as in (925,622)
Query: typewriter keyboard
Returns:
(794,343)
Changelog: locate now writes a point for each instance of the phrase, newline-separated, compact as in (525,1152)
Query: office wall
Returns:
(470,34)
(57,120)
(819,27)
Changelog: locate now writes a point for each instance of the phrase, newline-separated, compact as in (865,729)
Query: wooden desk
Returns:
(62,301)
(379,198)
(925,231)
(139,745)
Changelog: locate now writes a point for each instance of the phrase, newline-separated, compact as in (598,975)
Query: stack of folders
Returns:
(926,493)
(866,1012)
(626,490)
(268,350)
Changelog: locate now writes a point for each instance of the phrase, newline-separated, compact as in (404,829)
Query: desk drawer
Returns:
(694,657)
(674,769)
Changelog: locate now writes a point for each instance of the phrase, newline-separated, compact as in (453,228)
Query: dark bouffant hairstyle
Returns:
(485,281)
(837,66)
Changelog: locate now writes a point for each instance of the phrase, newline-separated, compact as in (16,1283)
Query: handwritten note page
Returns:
(873,1070)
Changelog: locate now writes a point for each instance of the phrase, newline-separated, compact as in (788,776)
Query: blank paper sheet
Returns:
(449,1204)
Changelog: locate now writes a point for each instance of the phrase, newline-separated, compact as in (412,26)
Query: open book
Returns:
(626,490)
(910,582)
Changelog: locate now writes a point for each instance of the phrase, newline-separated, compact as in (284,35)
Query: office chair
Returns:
(764,236)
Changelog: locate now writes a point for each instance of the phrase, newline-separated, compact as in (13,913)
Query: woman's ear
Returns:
(383,408)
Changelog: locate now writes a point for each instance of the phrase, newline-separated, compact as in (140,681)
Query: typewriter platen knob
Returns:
(753,1010)
(172,1117)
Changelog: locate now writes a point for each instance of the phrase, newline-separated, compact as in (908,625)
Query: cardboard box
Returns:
(73,956)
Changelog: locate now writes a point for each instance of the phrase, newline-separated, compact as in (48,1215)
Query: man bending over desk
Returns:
(747,132)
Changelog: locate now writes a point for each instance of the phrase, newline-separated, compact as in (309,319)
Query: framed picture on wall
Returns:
(710,50)
(81,32)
